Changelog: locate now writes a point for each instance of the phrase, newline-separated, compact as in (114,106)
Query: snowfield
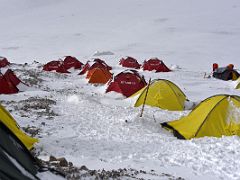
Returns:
(78,121)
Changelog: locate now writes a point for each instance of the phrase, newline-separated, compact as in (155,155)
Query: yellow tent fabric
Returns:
(162,93)
(215,116)
(238,83)
(8,120)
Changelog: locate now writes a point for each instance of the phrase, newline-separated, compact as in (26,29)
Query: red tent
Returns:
(127,83)
(11,77)
(155,64)
(55,66)
(6,85)
(97,63)
(129,62)
(4,62)
(72,62)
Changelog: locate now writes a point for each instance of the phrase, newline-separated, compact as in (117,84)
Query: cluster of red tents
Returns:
(98,72)
(62,66)
(9,82)
(153,64)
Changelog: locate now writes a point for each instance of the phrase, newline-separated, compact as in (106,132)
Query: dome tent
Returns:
(71,62)
(215,116)
(6,86)
(129,62)
(127,83)
(155,64)
(162,93)
(98,76)
(57,66)
(97,63)
(10,83)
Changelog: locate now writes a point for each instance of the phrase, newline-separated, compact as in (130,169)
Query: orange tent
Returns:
(99,76)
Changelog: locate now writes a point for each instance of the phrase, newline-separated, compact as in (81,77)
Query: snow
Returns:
(104,130)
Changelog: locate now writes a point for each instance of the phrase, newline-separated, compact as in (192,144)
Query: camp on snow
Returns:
(155,64)
(98,76)
(4,62)
(162,93)
(225,73)
(9,121)
(96,63)
(129,62)
(127,83)
(10,83)
(215,116)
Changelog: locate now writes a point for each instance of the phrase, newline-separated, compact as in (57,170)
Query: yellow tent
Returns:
(215,116)
(238,83)
(163,94)
(8,120)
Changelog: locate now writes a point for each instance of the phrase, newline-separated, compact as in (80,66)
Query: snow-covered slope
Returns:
(88,127)
(191,34)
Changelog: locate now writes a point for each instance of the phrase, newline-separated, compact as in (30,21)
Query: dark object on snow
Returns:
(16,160)
(225,73)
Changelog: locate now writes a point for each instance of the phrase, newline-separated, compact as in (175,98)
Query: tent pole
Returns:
(145,97)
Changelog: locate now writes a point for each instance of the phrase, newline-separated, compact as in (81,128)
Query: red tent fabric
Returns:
(97,63)
(127,83)
(72,62)
(129,62)
(6,86)
(4,62)
(55,66)
(155,64)
(11,77)
(85,68)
